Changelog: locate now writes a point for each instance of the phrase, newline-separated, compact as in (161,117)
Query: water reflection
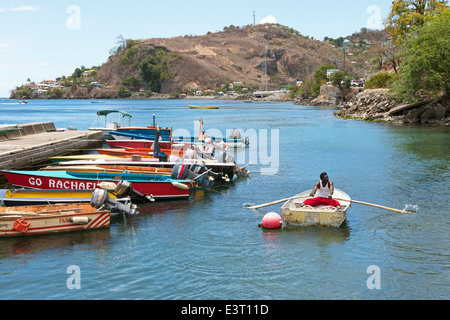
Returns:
(425,142)
(272,238)
(164,207)
(98,239)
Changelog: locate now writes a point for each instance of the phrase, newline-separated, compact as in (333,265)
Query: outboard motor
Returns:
(100,200)
(181,171)
(206,177)
(201,174)
(200,168)
(124,189)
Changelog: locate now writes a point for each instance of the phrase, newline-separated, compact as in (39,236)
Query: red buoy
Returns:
(272,220)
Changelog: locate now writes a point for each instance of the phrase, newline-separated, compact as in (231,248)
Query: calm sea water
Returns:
(210,246)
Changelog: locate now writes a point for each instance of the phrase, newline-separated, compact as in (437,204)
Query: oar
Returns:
(372,205)
(275,202)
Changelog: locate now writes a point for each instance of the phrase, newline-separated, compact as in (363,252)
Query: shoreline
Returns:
(371,105)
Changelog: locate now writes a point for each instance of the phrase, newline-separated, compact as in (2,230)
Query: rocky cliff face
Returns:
(377,105)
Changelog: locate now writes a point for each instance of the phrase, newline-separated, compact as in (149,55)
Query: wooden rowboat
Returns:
(36,220)
(203,107)
(294,214)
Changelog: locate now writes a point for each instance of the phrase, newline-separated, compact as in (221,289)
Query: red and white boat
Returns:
(158,186)
(137,144)
(37,220)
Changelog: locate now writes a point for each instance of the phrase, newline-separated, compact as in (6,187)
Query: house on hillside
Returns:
(88,72)
(48,82)
(41,86)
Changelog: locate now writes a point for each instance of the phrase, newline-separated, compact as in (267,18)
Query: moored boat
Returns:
(81,157)
(158,186)
(109,124)
(203,107)
(148,131)
(128,153)
(110,169)
(294,213)
(37,220)
(123,135)
(28,197)
(227,169)
(6,128)
(137,144)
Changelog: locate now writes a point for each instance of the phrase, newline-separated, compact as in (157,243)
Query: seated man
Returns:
(325,195)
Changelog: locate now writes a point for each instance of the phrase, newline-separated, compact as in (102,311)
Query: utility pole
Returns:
(254,18)
(265,63)
(343,50)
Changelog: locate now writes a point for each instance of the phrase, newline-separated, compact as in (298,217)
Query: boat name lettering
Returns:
(58,184)
(35,181)
(63,220)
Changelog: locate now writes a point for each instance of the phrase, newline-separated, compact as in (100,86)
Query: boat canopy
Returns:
(107,112)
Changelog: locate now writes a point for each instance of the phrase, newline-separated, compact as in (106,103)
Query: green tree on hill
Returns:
(155,67)
(408,14)
(425,70)
(320,78)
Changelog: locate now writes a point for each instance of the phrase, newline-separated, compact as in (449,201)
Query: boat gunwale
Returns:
(289,204)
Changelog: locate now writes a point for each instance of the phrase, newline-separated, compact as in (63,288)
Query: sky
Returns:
(43,39)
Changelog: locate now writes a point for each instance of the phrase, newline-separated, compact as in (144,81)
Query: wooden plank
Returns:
(26,151)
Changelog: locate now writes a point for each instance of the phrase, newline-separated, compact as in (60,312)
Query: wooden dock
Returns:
(35,143)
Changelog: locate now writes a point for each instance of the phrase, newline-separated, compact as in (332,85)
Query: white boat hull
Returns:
(294,214)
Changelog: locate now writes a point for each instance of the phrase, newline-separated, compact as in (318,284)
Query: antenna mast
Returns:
(265,63)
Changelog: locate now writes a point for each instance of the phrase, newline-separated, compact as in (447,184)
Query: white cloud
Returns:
(269,19)
(8,44)
(22,8)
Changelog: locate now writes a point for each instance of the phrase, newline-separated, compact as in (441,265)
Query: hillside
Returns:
(234,55)
(191,63)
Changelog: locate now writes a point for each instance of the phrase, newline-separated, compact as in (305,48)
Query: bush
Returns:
(320,78)
(381,80)
(23,92)
(123,92)
(55,93)
(132,82)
